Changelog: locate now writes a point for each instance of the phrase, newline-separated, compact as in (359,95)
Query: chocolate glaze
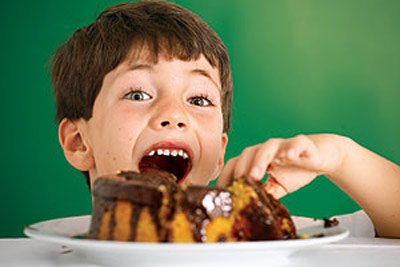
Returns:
(256,224)
(134,191)
(263,218)
(203,203)
(276,208)
(132,186)
(212,200)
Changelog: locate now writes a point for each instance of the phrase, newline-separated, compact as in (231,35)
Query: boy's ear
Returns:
(76,150)
(221,159)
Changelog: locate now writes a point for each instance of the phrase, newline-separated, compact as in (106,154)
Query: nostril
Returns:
(167,123)
(164,123)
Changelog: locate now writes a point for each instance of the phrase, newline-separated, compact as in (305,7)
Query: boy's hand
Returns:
(291,163)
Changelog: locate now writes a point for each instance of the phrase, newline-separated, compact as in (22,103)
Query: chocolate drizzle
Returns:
(134,220)
(111,225)
(330,222)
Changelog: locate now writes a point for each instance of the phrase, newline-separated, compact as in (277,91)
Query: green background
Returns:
(299,67)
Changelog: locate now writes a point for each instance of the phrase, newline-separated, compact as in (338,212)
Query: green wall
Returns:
(299,67)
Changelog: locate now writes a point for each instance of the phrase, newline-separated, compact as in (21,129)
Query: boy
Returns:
(149,85)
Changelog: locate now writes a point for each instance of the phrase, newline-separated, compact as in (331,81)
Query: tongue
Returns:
(175,165)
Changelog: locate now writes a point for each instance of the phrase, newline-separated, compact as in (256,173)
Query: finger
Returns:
(291,178)
(227,173)
(243,163)
(274,188)
(263,158)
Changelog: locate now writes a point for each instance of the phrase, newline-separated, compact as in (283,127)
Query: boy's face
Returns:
(166,115)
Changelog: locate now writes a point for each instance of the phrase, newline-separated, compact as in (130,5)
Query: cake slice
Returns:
(151,207)
(129,206)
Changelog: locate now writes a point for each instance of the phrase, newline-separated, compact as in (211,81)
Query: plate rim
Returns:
(35,231)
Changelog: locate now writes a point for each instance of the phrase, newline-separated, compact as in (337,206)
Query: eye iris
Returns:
(137,96)
(198,101)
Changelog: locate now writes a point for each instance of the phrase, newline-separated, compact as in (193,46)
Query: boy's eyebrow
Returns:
(201,72)
(141,66)
(205,74)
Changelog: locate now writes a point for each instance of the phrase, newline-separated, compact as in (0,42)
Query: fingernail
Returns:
(277,161)
(255,172)
(270,189)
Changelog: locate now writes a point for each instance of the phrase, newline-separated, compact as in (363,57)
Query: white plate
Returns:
(112,253)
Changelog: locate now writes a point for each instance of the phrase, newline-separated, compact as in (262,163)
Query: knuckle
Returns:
(273,141)
(230,163)
(300,138)
(247,150)
(237,173)
(271,144)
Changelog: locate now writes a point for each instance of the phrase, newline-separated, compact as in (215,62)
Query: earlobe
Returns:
(76,150)
(221,159)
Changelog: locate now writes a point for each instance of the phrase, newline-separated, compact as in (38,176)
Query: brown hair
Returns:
(79,65)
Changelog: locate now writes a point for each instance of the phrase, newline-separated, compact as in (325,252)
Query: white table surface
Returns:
(348,252)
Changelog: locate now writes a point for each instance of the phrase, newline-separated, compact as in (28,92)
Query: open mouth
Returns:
(175,161)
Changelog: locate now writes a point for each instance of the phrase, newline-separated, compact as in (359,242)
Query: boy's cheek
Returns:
(109,157)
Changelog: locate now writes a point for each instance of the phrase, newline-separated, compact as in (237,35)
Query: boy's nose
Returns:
(170,116)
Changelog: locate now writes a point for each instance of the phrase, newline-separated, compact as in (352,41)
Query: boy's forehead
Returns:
(143,59)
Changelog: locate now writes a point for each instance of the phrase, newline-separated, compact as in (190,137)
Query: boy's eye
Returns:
(138,95)
(200,101)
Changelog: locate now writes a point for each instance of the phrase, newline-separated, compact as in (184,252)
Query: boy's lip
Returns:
(172,145)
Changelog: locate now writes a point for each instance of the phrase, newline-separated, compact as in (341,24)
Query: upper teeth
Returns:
(169,152)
